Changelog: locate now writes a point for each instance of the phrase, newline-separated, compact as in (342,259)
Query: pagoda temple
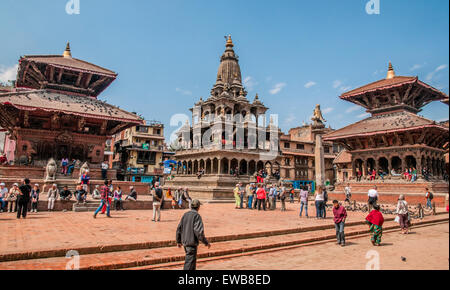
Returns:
(53,111)
(394,138)
(229,140)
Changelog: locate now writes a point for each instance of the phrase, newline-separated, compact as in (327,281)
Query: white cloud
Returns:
(183,92)
(353,109)
(277,88)
(310,84)
(343,89)
(327,110)
(364,115)
(336,84)
(439,68)
(250,83)
(416,67)
(8,73)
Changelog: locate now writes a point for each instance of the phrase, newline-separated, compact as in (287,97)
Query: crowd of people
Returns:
(409,174)
(12,200)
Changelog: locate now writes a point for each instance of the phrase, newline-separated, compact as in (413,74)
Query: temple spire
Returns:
(229,41)
(391,73)
(67,52)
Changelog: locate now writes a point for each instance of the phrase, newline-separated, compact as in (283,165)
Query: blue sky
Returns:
(293,53)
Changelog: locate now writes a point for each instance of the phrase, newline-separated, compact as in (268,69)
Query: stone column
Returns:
(319,161)
(219,166)
(364,169)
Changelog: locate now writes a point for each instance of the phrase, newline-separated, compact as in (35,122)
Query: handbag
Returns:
(397,219)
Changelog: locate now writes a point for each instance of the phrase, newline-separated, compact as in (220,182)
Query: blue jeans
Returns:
(340,236)
(241,196)
(3,203)
(429,205)
(319,209)
(250,201)
(304,204)
(100,207)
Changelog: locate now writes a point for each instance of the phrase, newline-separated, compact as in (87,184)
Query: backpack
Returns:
(430,196)
(325,196)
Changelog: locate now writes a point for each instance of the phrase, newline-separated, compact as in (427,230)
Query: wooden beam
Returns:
(80,75)
(422,137)
(25,72)
(36,69)
(410,138)
(87,81)
(98,82)
(51,74)
(385,140)
(61,70)
(408,91)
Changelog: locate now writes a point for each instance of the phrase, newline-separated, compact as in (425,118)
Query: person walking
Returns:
(12,197)
(319,202)
(373,197)
(429,196)
(52,196)
(403,214)
(104,196)
(190,232)
(304,194)
(23,198)
(187,197)
(157,199)
(64,165)
(283,197)
(340,215)
(348,194)
(325,206)
(375,220)
(261,197)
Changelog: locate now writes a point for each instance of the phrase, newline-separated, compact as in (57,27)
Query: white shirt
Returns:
(3,192)
(373,193)
(319,197)
(105,166)
(347,190)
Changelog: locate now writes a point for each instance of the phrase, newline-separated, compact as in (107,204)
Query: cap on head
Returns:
(2,184)
(401,197)
(196,203)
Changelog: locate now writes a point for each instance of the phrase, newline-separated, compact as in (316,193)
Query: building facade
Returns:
(138,153)
(298,155)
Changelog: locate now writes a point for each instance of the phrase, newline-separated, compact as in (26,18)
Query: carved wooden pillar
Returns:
(219,166)
(364,169)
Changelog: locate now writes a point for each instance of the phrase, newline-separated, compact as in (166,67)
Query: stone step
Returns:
(149,258)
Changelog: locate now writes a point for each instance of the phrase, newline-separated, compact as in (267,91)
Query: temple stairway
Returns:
(210,188)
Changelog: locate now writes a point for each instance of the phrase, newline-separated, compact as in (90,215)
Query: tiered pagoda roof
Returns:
(393,103)
(63,73)
(394,93)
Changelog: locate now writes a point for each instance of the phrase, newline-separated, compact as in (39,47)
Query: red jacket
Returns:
(261,193)
(339,214)
(375,217)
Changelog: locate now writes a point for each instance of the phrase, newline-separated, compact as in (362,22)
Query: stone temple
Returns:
(228,133)
(394,138)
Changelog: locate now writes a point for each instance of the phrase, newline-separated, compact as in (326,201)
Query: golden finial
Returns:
(67,52)
(229,41)
(391,72)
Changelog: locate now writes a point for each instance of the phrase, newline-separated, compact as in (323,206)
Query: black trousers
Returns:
(22,207)
(263,203)
(190,263)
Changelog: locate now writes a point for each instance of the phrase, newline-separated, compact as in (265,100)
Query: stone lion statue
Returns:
(50,171)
